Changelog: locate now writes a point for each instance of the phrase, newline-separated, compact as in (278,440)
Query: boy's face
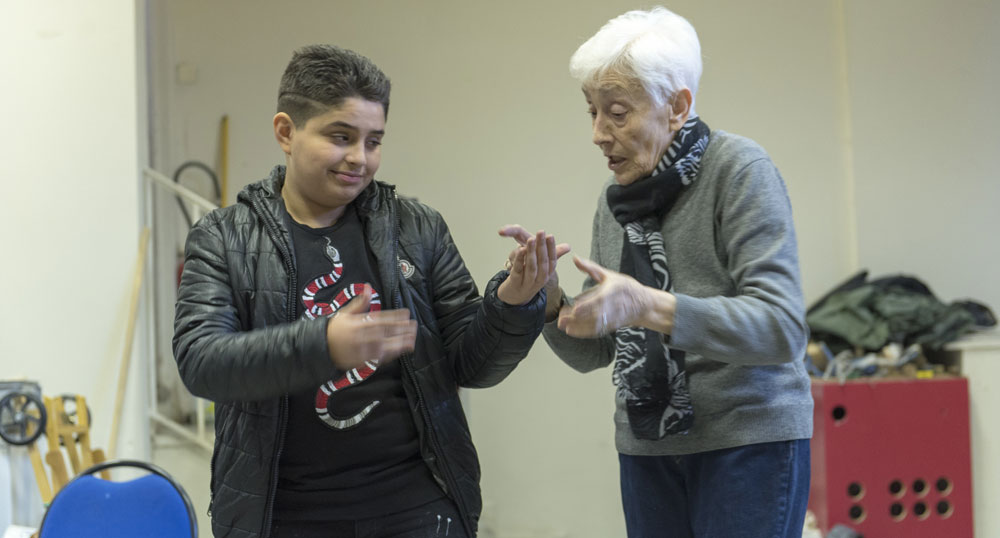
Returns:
(334,156)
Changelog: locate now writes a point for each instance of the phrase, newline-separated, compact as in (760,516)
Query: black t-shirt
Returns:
(351,449)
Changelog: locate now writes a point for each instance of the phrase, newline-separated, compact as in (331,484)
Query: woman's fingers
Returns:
(583,324)
(570,324)
(592,269)
(590,311)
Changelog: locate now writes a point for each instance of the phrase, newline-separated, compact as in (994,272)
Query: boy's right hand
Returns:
(355,335)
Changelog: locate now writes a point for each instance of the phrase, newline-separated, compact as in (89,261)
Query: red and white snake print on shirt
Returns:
(314,309)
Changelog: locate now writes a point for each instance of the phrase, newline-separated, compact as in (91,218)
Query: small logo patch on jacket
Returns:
(406,268)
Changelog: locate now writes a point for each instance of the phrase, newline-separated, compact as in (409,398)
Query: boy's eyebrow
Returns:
(346,125)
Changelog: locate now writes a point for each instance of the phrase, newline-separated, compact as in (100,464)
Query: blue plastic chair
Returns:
(151,506)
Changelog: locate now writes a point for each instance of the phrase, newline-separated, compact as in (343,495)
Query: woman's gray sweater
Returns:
(732,256)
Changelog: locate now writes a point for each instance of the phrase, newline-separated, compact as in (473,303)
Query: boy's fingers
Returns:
(542,253)
(395,315)
(403,340)
(359,304)
(550,252)
(518,266)
(394,346)
(515,232)
(531,260)
(402,328)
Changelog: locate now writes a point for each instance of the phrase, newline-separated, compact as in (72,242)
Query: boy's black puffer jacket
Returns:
(237,342)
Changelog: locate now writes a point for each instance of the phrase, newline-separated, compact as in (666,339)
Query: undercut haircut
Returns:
(320,77)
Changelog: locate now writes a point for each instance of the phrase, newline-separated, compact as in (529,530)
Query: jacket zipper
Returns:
(405,361)
(449,479)
(265,530)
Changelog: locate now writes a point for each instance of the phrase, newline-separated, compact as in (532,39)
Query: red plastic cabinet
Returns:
(890,458)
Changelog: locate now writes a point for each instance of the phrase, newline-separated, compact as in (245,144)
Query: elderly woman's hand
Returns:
(617,301)
(532,265)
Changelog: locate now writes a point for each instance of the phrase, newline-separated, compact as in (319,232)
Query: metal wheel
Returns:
(69,415)
(69,410)
(22,418)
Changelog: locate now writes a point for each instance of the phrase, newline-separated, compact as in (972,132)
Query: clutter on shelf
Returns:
(886,327)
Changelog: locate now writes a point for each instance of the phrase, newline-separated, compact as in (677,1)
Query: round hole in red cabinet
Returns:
(897,511)
(857,513)
(945,509)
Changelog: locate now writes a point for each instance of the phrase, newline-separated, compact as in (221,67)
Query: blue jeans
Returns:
(745,492)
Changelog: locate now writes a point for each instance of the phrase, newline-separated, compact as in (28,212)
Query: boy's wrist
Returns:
(553,305)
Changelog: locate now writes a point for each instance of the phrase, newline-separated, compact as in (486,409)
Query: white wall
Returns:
(69,215)
(923,89)
(487,127)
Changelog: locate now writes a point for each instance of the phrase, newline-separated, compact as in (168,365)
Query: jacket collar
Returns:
(374,198)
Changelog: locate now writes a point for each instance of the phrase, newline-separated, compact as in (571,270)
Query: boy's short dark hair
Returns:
(322,76)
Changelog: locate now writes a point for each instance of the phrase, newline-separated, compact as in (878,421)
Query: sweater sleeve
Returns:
(217,357)
(583,354)
(764,323)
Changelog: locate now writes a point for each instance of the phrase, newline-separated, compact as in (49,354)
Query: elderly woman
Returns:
(694,295)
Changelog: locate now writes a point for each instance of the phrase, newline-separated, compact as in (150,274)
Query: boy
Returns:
(332,322)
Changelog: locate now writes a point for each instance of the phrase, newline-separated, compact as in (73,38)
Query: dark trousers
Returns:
(438,519)
(746,492)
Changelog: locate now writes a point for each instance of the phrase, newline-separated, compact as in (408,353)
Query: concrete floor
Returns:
(189,465)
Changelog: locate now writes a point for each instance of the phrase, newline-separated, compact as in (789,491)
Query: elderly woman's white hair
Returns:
(658,48)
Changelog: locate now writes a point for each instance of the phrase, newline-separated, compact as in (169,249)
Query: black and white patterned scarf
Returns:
(648,372)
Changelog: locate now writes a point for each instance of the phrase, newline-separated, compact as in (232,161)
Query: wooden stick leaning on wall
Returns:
(40,477)
(223,159)
(129,336)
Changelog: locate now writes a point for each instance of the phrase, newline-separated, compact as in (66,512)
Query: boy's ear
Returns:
(284,129)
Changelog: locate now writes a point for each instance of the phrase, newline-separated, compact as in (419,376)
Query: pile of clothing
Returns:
(871,326)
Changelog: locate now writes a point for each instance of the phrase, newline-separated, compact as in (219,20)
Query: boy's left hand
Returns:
(531,264)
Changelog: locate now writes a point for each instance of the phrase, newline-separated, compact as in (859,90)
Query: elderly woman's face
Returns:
(632,132)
